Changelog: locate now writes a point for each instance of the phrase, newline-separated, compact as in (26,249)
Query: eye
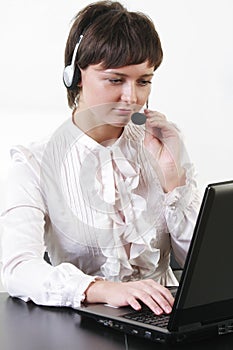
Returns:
(115,81)
(144,82)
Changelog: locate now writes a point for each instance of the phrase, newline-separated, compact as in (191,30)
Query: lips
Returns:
(123,111)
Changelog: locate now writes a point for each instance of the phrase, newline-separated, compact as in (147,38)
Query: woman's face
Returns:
(113,94)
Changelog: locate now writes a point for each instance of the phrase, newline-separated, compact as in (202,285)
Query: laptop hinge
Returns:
(190,327)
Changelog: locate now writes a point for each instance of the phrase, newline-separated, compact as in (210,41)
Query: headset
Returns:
(71,72)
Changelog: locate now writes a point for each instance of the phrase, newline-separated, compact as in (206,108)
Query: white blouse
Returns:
(98,212)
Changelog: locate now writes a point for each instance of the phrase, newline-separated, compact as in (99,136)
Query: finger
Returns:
(165,292)
(160,294)
(146,298)
(151,114)
(162,302)
(152,294)
(157,119)
(132,301)
(159,122)
(149,301)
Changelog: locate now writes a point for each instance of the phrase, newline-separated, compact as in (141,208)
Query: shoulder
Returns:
(35,151)
(28,153)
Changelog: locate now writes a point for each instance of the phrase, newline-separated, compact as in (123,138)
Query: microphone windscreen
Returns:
(138,118)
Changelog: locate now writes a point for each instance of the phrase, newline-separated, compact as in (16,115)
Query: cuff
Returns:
(182,196)
(84,283)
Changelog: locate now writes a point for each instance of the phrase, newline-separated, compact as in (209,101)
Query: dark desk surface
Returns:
(25,326)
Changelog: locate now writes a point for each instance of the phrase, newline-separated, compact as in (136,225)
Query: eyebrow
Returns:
(125,75)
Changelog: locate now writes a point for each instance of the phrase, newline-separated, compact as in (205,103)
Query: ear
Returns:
(79,72)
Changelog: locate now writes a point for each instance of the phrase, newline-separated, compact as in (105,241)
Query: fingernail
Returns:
(168,309)
(158,311)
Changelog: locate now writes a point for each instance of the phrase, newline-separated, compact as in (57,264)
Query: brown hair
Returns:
(114,37)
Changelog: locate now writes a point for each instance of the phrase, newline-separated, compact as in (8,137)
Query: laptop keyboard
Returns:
(147,316)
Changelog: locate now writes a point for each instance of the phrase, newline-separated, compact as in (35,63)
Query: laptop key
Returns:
(148,317)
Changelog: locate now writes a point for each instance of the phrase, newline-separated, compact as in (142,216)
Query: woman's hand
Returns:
(163,141)
(149,292)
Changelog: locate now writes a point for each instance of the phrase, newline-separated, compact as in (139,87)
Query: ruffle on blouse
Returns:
(119,266)
(119,178)
(143,262)
(123,227)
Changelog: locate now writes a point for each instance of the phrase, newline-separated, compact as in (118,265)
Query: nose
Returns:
(129,93)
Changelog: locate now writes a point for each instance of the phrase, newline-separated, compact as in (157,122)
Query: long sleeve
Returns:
(25,273)
(182,207)
(57,203)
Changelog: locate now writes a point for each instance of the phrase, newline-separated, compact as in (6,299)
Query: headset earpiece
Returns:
(70,78)
(71,72)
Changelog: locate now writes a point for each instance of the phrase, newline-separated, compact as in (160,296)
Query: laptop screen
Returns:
(207,281)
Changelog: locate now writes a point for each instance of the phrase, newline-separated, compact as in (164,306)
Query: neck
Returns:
(102,133)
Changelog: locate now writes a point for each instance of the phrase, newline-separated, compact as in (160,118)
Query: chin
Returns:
(120,124)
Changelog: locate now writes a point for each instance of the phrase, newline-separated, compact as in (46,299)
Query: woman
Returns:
(107,199)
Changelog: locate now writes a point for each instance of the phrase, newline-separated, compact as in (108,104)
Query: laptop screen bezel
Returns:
(200,314)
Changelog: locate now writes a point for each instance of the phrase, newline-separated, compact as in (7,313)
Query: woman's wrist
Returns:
(96,291)
(173,177)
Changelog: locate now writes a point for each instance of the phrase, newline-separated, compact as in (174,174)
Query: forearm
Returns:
(182,207)
(36,280)
(26,275)
(171,177)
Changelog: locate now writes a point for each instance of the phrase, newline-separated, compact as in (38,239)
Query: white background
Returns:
(193,86)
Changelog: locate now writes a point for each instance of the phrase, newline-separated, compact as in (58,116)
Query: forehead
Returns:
(140,69)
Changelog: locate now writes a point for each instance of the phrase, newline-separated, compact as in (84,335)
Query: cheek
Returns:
(91,94)
(143,97)
(96,93)
(105,96)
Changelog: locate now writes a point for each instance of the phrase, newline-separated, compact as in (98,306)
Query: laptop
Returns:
(203,304)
